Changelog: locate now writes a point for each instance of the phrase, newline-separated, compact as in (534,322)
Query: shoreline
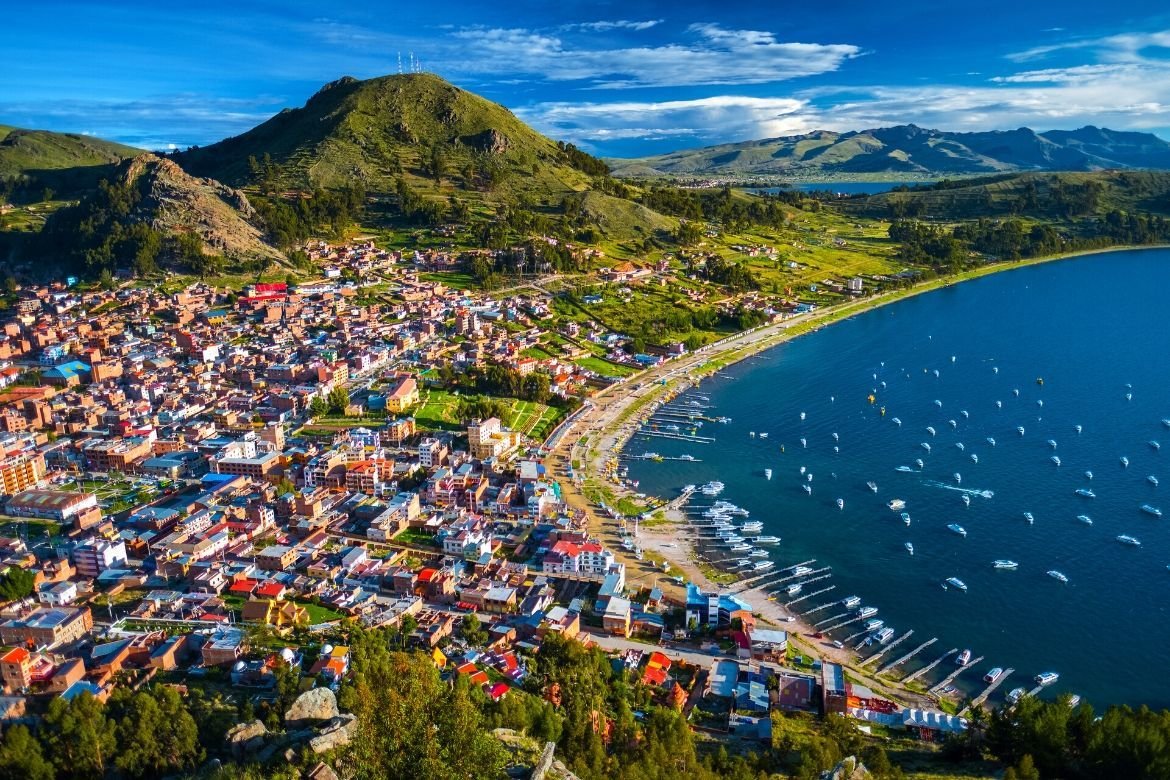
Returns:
(613,417)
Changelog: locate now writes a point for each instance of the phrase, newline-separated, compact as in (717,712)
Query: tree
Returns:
(21,757)
(156,734)
(79,736)
(338,400)
(472,632)
(16,583)
(318,407)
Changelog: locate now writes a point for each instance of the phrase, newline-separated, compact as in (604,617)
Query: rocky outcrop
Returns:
(491,141)
(338,733)
(246,738)
(311,708)
(850,768)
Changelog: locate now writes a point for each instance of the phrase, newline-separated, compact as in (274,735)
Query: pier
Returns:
(809,582)
(915,675)
(750,581)
(990,689)
(895,664)
(877,656)
(810,595)
(677,436)
(852,620)
(819,607)
(950,677)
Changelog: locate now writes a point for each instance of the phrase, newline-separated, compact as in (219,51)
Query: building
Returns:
(16,669)
(431,453)
(834,697)
(403,395)
(94,556)
(488,439)
(277,557)
(47,627)
(21,472)
(225,646)
(58,505)
(587,559)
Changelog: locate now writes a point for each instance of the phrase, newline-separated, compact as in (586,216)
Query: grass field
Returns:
(604,367)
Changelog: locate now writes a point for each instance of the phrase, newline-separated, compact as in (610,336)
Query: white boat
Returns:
(1088,475)
(1047,678)
(753,527)
(974,458)
(873,625)
(808,477)
(896,504)
(764,435)
(792,590)
(802,415)
(865,612)
(1054,574)
(1085,493)
(995,369)
(918,462)
(1015,694)
(807,488)
(955,582)
(800,571)
(999,404)
(840,503)
(1040,404)
(767,473)
(897,421)
(836,437)
(1154,445)
(872,486)
(1127,539)
(906,518)
(1052,443)
(991,441)
(803,442)
(1003,563)
(904,469)
(761,565)
(1129,396)
(926,446)
(1085,519)
(965,415)
(953,424)
(756,553)
(958,478)
(958,529)
(767,540)
(1055,459)
(1077,428)
(1151,510)
(1073,701)
(993,675)
(962,447)
(849,602)
(1020,430)
(752,434)
(1029,518)
(1152,480)
(883,636)
(930,430)
(686,457)
(1016,392)
(909,547)
(963,658)
(966,500)
(1124,462)
(937,402)
(1166,422)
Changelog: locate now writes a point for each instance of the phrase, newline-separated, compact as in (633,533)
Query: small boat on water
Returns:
(802,415)
(991,441)
(1154,445)
(918,462)
(764,435)
(909,547)
(952,423)
(1003,563)
(955,582)
(1054,574)
(800,571)
(808,477)
(802,469)
(897,422)
(836,437)
(872,486)
(883,636)
(1129,396)
(962,447)
(803,443)
(1152,480)
(762,565)
(792,590)
(1124,462)
(1127,539)
(1088,475)
(1073,701)
(974,458)
(937,402)
(1077,428)
(1020,430)
(966,500)
(873,625)
(1052,443)
(1055,459)
(1166,422)
(999,404)
(1085,493)
(896,504)
(993,675)
(807,488)
(958,478)
(752,434)
(926,446)
(1047,678)
(1015,694)
(904,469)
(849,602)
(958,529)
(1029,518)
(1151,510)
(963,658)
(866,612)
(767,540)
(767,473)
(965,415)
(1085,519)
(906,518)
(1040,404)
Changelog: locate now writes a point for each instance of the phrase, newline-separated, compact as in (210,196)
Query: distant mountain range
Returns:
(910,150)
(64,162)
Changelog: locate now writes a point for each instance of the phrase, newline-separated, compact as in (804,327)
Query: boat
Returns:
(740,546)
(1015,694)
(1127,539)
(808,477)
(1154,445)
(849,602)
(792,590)
(1088,475)
(1152,480)
(909,547)
(884,635)
(840,503)
(766,540)
(906,518)
(1085,493)
(991,441)
(974,458)
(1052,443)
(1054,574)
(993,675)
(1029,518)
(918,462)
(960,530)
(807,489)
(756,553)
(800,571)
(1003,563)
(762,565)
(896,504)
(930,430)
(1085,519)
(686,457)
(1151,510)
(1129,396)
(1047,678)
(995,369)
(873,625)
(926,446)
(958,478)
(1166,422)
(836,437)
(752,525)
(1020,430)
(937,402)
(803,442)
(802,416)
(1040,404)
(1055,459)
(764,435)
(712,488)
(897,421)
(962,447)
(953,424)
(963,658)
(955,582)
(752,434)
(802,469)
(872,486)
(865,612)
(1073,701)
(966,500)
(999,404)
(1016,392)
(1124,462)
(767,473)
(903,469)
(965,415)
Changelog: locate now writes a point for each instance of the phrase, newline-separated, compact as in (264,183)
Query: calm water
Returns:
(1089,327)
(845,187)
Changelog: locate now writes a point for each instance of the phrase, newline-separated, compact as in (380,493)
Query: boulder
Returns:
(337,734)
(246,738)
(312,707)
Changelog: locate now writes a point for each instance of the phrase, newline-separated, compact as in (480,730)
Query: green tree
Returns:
(156,734)
(472,631)
(79,736)
(21,757)
(338,400)
(16,583)
(318,407)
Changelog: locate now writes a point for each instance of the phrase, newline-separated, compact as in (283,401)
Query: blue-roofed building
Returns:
(80,687)
(68,374)
(702,608)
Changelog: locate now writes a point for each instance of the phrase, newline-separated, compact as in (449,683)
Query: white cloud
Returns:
(620,24)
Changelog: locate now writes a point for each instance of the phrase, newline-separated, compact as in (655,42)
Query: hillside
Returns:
(438,138)
(912,151)
(65,162)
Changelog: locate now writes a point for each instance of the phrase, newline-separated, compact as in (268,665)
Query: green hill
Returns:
(64,162)
(438,138)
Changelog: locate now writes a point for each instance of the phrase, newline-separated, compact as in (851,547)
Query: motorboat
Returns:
(836,436)
(849,602)
(993,675)
(1151,510)
(896,504)
(999,404)
(840,503)
(1154,445)
(1127,539)
(1073,701)
(991,441)
(1085,519)
(866,612)
(966,500)
(958,478)
(926,446)
(802,416)
(764,435)
(872,486)
(1055,459)
(762,565)
(963,658)
(904,469)
(1015,694)
(1029,518)
(792,590)
(1052,443)
(1020,430)
(757,553)
(937,402)
(918,462)
(767,473)
(1047,678)
(974,458)
(884,635)
(956,528)
(1054,574)
(1003,563)
(1088,475)
(897,422)
(803,442)
(955,582)
(1152,480)
(905,518)
(873,625)
(965,415)
(930,430)
(909,547)
(962,447)
(1085,493)
(952,423)
(1016,392)
(766,540)
(1124,462)
(807,489)
(801,571)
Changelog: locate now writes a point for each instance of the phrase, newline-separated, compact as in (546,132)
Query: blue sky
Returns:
(619,78)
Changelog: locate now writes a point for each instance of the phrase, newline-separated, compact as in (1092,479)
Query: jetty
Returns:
(676,436)
(915,675)
(831,619)
(750,581)
(877,656)
(810,595)
(990,689)
(819,607)
(944,682)
(896,663)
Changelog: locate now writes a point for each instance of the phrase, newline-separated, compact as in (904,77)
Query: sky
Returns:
(621,79)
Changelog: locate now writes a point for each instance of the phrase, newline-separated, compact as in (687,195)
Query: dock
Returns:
(677,436)
(944,682)
(887,648)
(907,657)
(915,675)
(810,595)
(990,689)
(831,619)
(819,607)
(750,581)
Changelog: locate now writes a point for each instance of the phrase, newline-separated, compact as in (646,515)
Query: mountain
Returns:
(65,162)
(373,132)
(912,150)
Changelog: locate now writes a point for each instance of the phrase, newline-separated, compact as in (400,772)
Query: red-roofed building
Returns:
(271,590)
(587,558)
(244,587)
(656,670)
(16,669)
(496,691)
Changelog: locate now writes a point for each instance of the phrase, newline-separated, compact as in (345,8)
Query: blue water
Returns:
(844,187)
(1087,326)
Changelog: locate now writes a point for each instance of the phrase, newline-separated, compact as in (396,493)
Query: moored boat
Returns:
(1047,678)
(1085,493)
(849,602)
(909,547)
(1085,519)
(1029,518)
(993,675)
(963,658)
